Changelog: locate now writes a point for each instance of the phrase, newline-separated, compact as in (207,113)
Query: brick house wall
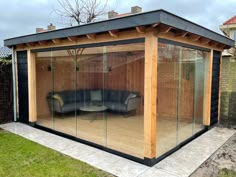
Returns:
(228,92)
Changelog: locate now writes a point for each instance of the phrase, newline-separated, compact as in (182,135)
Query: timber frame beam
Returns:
(141,29)
(164,31)
(91,36)
(32,86)
(150,95)
(114,33)
(207,90)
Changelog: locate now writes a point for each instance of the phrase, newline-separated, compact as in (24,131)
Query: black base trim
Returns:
(180,145)
(146,161)
(149,162)
(32,124)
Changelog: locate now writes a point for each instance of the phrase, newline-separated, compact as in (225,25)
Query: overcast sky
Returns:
(21,17)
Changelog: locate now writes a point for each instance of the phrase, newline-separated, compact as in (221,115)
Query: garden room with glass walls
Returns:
(94,93)
(81,90)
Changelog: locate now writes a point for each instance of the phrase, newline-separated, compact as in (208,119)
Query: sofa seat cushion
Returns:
(68,96)
(115,106)
(115,96)
(69,108)
(95,95)
(89,103)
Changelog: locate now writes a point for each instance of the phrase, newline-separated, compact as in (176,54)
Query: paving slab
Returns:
(182,163)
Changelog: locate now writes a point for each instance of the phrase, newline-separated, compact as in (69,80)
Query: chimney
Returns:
(38,30)
(51,27)
(136,9)
(112,14)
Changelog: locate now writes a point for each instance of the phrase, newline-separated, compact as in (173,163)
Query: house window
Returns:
(234,35)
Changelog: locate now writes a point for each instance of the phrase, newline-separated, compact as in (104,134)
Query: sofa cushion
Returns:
(105,94)
(79,96)
(85,95)
(70,107)
(68,96)
(95,95)
(115,106)
(115,96)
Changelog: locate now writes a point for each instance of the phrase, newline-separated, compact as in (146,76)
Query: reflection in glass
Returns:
(44,86)
(181,83)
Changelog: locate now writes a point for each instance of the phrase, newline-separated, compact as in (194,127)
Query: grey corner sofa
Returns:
(115,100)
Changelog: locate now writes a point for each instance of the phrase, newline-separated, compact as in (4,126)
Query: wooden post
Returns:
(150,95)
(207,90)
(32,86)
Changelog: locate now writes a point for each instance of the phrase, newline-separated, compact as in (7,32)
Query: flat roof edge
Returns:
(186,25)
(140,19)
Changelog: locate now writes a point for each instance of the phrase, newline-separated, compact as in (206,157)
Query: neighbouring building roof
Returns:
(5,52)
(123,23)
(230,21)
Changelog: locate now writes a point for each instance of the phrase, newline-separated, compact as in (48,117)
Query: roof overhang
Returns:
(122,23)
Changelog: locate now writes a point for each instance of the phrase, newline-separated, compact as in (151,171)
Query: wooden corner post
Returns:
(150,95)
(32,86)
(207,90)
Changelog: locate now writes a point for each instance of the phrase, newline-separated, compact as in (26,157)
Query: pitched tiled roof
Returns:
(4,52)
(230,21)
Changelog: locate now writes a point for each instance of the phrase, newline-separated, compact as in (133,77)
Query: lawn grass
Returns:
(227,173)
(20,157)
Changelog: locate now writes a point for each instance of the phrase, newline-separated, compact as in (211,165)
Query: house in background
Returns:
(229,29)
(134,10)
(140,86)
(228,80)
(49,28)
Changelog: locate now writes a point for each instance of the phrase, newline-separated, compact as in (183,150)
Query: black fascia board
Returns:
(185,25)
(140,19)
(90,28)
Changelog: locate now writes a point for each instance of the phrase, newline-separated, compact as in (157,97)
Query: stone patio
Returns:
(180,164)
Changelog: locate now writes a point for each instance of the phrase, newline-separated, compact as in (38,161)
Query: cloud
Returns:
(21,17)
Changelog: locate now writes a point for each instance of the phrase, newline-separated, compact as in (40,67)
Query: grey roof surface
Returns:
(140,19)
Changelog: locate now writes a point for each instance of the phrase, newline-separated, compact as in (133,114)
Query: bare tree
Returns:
(81,11)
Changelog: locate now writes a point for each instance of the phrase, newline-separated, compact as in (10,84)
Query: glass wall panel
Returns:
(125,98)
(64,88)
(181,89)
(44,88)
(191,92)
(186,88)
(167,93)
(111,81)
(200,89)
(91,119)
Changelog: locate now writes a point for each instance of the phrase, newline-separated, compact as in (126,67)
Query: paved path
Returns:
(180,164)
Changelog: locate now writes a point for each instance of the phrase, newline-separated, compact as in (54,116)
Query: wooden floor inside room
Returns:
(114,131)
